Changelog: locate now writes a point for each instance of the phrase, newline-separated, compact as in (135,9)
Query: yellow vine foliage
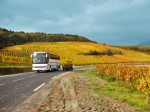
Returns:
(20,54)
(135,77)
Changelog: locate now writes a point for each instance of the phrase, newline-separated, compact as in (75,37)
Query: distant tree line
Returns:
(108,52)
(145,49)
(8,37)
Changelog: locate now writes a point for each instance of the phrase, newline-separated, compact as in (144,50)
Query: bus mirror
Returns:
(46,55)
(31,55)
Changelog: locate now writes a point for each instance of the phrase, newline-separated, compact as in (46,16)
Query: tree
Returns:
(109,52)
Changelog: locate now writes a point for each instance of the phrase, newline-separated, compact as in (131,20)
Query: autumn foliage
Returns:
(134,77)
(71,51)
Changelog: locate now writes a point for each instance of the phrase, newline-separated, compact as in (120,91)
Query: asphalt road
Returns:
(14,89)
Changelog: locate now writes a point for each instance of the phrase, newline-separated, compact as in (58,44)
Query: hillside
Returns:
(143,49)
(74,51)
(144,44)
(9,38)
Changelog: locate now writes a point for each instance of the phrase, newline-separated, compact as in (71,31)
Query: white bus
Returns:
(44,61)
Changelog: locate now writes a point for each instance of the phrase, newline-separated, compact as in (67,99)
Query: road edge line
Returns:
(39,87)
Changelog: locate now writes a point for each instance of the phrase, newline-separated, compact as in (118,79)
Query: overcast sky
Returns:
(120,22)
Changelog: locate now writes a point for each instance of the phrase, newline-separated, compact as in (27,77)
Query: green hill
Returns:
(10,38)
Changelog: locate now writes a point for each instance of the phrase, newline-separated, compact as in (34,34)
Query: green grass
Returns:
(117,91)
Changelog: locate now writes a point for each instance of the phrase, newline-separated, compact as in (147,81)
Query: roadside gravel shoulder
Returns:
(73,93)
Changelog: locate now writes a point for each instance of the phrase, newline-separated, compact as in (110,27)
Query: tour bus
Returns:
(44,61)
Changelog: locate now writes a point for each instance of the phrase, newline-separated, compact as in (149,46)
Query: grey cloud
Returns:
(106,21)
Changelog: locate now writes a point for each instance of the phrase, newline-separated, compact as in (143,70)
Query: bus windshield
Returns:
(40,58)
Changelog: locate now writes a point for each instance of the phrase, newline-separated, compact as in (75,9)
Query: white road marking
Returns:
(17,80)
(2,84)
(39,87)
(54,77)
(32,76)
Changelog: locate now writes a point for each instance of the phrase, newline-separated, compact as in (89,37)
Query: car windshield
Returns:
(40,58)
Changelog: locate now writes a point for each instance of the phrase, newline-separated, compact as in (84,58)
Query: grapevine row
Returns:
(134,77)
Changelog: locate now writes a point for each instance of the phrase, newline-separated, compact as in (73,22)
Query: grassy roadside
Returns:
(15,66)
(2,65)
(110,88)
(9,69)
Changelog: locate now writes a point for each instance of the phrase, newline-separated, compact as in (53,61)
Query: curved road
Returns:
(14,89)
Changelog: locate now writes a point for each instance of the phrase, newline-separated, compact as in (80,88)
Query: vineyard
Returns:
(73,51)
(134,77)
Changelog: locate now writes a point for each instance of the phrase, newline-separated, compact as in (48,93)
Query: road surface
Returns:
(14,89)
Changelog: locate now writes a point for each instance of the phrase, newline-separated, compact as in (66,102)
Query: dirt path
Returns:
(72,93)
